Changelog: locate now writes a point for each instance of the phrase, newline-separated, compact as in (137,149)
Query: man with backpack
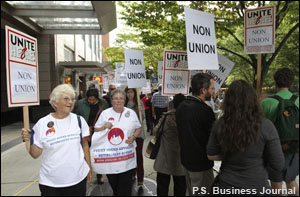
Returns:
(283,110)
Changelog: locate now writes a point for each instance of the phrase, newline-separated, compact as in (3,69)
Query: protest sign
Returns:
(105,82)
(135,68)
(260,30)
(259,35)
(225,66)
(22,72)
(200,40)
(108,79)
(160,71)
(176,75)
(21,69)
(121,78)
(147,90)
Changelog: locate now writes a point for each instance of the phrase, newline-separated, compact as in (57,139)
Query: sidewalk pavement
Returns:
(20,172)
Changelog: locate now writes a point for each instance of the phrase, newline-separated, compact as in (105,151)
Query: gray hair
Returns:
(58,91)
(116,91)
(160,88)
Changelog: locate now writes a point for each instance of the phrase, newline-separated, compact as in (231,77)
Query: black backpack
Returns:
(287,123)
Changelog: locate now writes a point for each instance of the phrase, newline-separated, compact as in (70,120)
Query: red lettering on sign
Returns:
(258,20)
(176,63)
(23,53)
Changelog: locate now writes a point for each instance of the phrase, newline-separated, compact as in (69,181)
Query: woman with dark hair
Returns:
(132,103)
(246,142)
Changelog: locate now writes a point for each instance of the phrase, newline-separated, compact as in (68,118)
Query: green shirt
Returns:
(82,108)
(269,105)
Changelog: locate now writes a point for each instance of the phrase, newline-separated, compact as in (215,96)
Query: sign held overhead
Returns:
(135,68)
(225,66)
(260,30)
(21,69)
(176,75)
(201,40)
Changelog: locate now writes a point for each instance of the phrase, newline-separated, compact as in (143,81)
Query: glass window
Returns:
(68,54)
(95,43)
(81,58)
(90,41)
(64,22)
(52,4)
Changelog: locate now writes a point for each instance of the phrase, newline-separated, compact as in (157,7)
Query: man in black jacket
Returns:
(194,122)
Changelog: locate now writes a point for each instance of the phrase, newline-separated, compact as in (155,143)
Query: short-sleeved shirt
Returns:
(269,105)
(247,169)
(63,162)
(110,154)
(144,99)
(158,100)
(127,117)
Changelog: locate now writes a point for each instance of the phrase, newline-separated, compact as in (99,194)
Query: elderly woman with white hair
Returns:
(61,136)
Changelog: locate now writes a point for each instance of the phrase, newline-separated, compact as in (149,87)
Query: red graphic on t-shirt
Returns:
(111,119)
(50,132)
(115,136)
(113,159)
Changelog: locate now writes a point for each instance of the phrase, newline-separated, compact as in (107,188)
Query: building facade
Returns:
(70,49)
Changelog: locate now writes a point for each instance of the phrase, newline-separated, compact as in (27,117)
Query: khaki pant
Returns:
(199,183)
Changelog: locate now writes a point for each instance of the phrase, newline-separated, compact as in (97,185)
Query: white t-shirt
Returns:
(63,162)
(109,152)
(128,116)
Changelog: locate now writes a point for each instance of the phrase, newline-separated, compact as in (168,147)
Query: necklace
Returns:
(120,115)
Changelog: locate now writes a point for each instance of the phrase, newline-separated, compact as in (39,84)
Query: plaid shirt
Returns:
(158,100)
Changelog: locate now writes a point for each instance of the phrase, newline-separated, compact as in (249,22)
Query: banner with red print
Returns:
(109,152)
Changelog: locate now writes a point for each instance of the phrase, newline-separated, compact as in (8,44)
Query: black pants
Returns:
(149,120)
(121,183)
(163,181)
(158,113)
(75,190)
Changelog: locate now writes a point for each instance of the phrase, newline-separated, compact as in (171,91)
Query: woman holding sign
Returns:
(62,137)
(113,144)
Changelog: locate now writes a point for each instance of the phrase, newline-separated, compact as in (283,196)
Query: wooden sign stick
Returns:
(138,99)
(258,75)
(26,124)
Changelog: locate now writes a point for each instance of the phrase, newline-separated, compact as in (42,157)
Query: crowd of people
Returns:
(203,127)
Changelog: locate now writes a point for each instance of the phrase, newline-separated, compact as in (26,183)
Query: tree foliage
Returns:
(152,54)
(160,25)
